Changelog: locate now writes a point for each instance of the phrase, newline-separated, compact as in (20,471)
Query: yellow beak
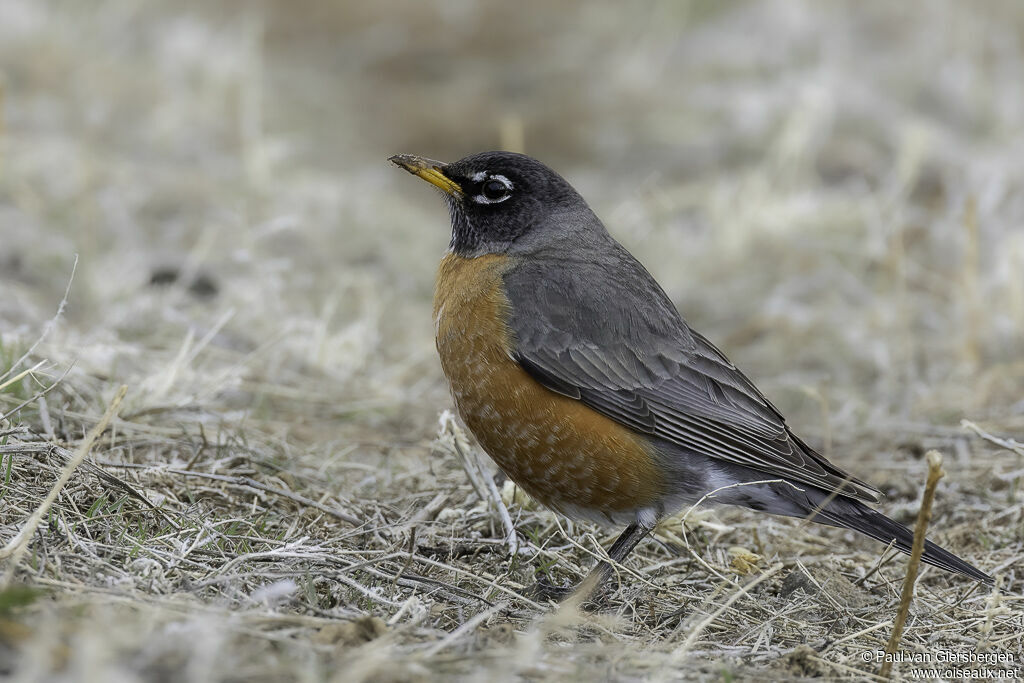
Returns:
(429,170)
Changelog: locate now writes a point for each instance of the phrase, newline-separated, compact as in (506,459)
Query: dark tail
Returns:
(851,514)
(846,513)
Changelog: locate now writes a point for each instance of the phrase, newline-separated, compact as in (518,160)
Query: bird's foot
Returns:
(589,597)
(545,591)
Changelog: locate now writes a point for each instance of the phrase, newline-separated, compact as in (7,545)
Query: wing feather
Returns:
(639,363)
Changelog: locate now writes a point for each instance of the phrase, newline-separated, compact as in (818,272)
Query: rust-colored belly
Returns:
(561,452)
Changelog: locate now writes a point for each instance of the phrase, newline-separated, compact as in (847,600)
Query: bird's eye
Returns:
(495,189)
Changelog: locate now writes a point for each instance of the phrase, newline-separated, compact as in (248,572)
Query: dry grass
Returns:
(830,191)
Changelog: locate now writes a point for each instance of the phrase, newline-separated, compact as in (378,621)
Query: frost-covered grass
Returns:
(830,191)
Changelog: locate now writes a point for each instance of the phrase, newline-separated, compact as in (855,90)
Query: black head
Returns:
(502,202)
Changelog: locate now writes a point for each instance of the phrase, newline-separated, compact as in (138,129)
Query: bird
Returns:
(579,377)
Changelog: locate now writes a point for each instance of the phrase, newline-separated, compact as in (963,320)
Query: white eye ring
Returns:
(481,199)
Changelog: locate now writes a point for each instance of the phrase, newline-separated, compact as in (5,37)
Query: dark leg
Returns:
(599,575)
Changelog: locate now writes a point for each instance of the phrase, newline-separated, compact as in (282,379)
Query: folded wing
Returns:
(606,334)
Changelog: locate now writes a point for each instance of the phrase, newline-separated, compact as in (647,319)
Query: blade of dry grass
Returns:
(15,548)
(924,516)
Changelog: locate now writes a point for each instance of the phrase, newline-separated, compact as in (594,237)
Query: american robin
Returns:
(579,377)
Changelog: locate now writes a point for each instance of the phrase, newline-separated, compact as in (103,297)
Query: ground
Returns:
(195,204)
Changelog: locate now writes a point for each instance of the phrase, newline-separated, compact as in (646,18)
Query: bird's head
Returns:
(504,203)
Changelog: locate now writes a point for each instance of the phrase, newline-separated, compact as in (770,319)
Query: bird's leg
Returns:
(599,575)
(623,546)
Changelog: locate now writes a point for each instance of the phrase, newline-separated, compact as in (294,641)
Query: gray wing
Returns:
(606,334)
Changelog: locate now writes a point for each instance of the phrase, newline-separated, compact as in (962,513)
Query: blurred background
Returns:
(831,192)
(839,180)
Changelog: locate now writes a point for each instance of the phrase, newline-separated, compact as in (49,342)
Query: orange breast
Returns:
(560,451)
